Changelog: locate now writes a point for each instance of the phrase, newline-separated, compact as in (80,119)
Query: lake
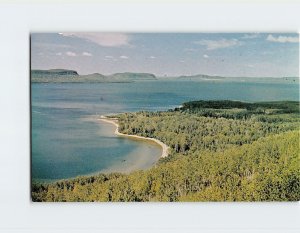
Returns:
(68,140)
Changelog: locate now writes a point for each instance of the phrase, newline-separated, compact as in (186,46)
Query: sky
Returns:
(169,54)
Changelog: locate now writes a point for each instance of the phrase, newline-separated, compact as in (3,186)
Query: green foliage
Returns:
(282,106)
(212,158)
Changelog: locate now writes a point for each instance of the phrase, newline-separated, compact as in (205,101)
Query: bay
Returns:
(68,140)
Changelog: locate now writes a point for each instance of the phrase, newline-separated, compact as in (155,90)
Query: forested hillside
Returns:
(219,151)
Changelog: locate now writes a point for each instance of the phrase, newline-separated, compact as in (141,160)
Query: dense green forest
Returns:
(219,151)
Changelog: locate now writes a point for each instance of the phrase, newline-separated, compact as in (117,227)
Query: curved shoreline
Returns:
(114,121)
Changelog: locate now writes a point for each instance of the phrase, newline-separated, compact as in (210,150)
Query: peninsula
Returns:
(114,121)
(218,151)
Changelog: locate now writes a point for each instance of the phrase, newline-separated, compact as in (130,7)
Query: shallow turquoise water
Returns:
(68,140)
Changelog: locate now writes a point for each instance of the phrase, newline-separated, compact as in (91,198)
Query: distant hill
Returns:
(205,78)
(54,72)
(134,76)
(199,77)
(65,76)
(96,77)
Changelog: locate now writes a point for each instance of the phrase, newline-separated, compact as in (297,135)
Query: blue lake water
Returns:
(68,140)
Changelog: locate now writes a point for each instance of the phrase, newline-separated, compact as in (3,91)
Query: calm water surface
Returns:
(68,140)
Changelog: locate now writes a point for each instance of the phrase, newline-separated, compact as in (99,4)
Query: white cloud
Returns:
(250,36)
(283,39)
(102,39)
(219,44)
(182,61)
(250,66)
(58,54)
(109,58)
(205,56)
(71,54)
(152,57)
(124,57)
(87,54)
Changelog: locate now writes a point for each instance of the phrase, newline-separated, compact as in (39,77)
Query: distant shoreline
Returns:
(114,121)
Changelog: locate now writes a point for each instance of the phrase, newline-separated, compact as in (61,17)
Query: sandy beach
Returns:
(114,121)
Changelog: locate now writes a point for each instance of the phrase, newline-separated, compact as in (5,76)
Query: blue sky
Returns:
(170,54)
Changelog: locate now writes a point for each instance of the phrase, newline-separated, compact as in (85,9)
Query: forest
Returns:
(218,151)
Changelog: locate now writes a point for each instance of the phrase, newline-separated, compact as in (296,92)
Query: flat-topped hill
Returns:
(54,72)
(134,76)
